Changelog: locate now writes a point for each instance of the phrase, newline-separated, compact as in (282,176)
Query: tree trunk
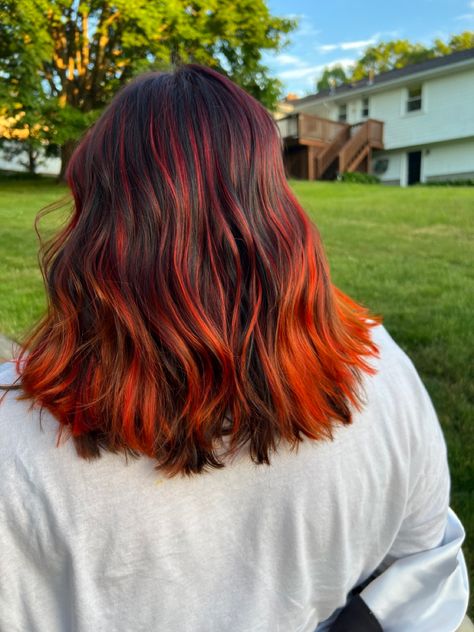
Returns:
(32,155)
(66,152)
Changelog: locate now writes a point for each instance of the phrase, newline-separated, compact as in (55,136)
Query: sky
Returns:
(337,31)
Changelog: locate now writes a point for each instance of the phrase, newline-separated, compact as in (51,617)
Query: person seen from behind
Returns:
(203,433)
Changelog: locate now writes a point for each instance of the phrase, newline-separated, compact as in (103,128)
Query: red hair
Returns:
(189,285)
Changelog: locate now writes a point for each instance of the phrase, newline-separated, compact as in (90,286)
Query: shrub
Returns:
(469,182)
(358,177)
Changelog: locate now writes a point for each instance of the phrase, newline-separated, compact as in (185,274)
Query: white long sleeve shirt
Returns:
(114,546)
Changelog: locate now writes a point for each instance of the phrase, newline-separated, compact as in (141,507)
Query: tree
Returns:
(389,55)
(456,43)
(21,121)
(63,60)
(15,143)
(332,76)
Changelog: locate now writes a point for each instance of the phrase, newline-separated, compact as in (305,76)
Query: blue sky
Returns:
(337,31)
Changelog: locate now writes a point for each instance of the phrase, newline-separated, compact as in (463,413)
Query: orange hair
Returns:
(190,287)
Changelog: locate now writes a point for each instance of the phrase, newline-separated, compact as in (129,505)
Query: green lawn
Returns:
(405,253)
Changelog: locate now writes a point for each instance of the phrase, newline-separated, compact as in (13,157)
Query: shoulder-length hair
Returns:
(188,295)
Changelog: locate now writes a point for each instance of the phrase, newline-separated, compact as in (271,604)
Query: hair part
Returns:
(188,294)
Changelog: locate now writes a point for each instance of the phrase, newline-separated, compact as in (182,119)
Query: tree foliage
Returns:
(388,56)
(332,77)
(63,60)
(394,54)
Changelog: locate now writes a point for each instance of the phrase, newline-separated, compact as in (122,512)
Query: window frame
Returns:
(410,99)
(365,109)
(342,107)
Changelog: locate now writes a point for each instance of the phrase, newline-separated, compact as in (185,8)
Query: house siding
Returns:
(447,112)
(449,161)
(393,173)
(442,161)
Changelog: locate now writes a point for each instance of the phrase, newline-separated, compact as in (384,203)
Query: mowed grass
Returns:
(21,286)
(407,254)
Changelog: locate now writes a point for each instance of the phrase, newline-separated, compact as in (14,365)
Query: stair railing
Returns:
(353,146)
(330,153)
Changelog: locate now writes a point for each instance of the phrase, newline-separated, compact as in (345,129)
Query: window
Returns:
(414,99)
(365,107)
(342,113)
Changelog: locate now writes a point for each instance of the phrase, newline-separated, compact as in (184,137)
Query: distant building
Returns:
(414,124)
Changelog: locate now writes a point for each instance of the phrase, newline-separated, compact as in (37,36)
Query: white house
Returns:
(414,124)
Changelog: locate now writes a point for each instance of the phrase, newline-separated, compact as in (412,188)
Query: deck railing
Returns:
(316,128)
(330,153)
(369,133)
(309,127)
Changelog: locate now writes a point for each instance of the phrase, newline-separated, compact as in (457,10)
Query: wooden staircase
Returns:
(329,147)
(330,153)
(350,148)
(365,137)
(358,158)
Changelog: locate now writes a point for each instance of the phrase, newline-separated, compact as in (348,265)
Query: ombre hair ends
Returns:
(189,297)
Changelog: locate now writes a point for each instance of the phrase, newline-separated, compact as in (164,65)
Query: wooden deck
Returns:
(316,148)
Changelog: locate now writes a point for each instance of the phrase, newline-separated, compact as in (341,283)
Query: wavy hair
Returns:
(188,294)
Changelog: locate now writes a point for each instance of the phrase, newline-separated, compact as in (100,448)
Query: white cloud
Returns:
(305,26)
(467,17)
(300,73)
(345,62)
(288,60)
(359,44)
(356,45)
(327,48)
(313,71)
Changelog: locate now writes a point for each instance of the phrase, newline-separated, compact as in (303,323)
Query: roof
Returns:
(391,75)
